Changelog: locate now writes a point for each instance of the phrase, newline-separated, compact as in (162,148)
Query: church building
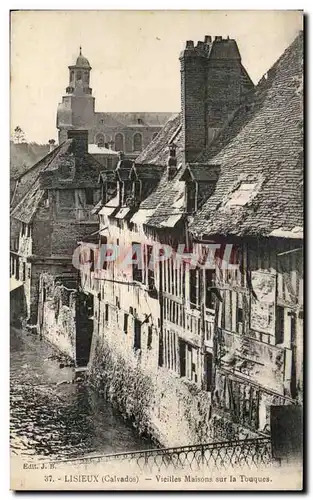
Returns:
(130,132)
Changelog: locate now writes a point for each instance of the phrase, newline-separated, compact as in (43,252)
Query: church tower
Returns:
(78,105)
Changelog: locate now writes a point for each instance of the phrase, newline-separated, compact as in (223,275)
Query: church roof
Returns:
(140,119)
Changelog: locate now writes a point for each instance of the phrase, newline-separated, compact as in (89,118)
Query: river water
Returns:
(52,415)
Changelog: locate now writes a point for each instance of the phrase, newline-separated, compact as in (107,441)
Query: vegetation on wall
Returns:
(127,388)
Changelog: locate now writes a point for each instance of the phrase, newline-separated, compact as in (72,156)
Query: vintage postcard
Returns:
(156,250)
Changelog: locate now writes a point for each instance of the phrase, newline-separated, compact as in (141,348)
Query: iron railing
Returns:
(247,453)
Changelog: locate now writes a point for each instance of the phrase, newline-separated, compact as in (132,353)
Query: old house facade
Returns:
(192,276)
(54,204)
(231,337)
(129,132)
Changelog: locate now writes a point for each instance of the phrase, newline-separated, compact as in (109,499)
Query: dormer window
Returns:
(200,182)
(245,192)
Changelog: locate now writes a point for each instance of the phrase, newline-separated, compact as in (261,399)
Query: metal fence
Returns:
(248,453)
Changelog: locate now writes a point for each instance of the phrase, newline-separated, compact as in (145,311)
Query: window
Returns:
(239,315)
(137,262)
(155,135)
(100,140)
(280,325)
(209,284)
(119,142)
(149,339)
(208,371)
(193,287)
(137,334)
(191,196)
(89,306)
(24,271)
(244,193)
(71,76)
(86,77)
(89,196)
(106,313)
(92,260)
(189,359)
(137,142)
(125,323)
(103,251)
(169,349)
(79,75)
(150,267)
(23,228)
(293,382)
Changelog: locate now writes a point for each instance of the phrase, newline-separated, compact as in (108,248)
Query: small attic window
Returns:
(242,194)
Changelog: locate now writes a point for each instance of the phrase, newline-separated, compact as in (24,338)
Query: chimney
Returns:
(80,141)
(51,143)
(193,64)
(171,161)
(211,89)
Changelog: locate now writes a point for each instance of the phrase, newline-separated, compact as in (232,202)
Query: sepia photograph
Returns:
(156,250)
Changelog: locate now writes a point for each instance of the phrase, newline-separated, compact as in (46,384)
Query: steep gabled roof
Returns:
(157,151)
(46,174)
(260,153)
(27,207)
(27,179)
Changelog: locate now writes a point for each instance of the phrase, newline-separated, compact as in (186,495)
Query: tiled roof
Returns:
(152,172)
(27,179)
(201,172)
(262,146)
(26,209)
(157,151)
(133,119)
(47,173)
(165,199)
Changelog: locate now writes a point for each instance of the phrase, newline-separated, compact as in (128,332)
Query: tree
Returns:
(19,135)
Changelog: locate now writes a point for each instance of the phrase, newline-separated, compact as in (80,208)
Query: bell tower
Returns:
(79,76)
(76,111)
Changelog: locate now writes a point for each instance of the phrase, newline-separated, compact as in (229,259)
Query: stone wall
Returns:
(159,404)
(57,314)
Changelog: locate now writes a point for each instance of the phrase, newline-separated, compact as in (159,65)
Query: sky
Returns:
(133,54)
